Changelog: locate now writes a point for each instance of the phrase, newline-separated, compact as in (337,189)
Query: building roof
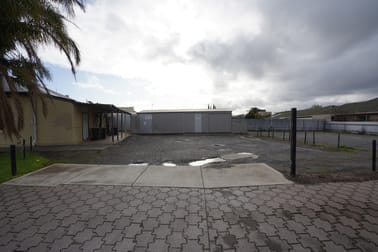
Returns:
(105,108)
(129,110)
(183,111)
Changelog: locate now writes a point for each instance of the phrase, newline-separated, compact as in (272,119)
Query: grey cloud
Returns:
(333,26)
(163,49)
(236,104)
(114,23)
(353,72)
(252,55)
(312,48)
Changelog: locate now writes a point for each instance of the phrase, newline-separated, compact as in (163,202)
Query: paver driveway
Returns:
(332,217)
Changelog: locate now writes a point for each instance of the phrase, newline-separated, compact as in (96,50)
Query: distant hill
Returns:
(348,108)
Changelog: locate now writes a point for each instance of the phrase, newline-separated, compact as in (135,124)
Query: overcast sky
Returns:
(234,54)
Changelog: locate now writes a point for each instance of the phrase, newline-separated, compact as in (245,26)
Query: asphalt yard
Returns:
(322,162)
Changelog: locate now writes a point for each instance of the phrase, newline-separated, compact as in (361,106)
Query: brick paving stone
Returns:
(125,245)
(267,229)
(75,228)
(103,228)
(366,245)
(30,242)
(113,237)
(243,245)
(341,239)
(162,231)
(42,247)
(192,246)
(310,242)
(93,244)
(318,233)
(61,243)
(122,222)
(330,217)
(345,230)
(55,234)
(226,241)
(369,236)
(220,225)
(193,219)
(193,232)
(132,230)
(84,235)
(143,239)
(297,227)
(105,248)
(26,233)
(287,235)
(166,218)
(154,212)
(349,222)
(176,239)
(276,244)
(158,245)
(299,248)
(369,227)
(178,225)
(331,246)
(237,231)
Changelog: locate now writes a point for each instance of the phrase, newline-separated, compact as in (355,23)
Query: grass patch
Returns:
(343,148)
(32,162)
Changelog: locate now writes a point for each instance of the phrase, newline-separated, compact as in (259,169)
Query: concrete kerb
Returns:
(252,174)
(40,178)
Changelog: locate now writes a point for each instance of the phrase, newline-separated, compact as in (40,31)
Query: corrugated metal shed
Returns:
(181,121)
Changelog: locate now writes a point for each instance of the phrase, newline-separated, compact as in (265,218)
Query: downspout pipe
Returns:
(35,128)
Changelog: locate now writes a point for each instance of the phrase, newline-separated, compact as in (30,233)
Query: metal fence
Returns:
(353,127)
(284,124)
(239,125)
(310,125)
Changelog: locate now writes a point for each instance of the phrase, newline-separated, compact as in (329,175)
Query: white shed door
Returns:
(198,122)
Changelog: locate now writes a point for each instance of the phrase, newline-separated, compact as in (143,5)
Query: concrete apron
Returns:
(252,174)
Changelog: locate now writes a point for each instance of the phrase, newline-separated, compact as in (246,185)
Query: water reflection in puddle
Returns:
(169,164)
(138,164)
(206,161)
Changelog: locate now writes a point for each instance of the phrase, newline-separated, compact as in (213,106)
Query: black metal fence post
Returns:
(374,155)
(338,140)
(293,141)
(13,159)
(272,132)
(313,137)
(31,143)
(23,149)
(305,137)
(283,135)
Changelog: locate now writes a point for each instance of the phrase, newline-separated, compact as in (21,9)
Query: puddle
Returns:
(182,140)
(169,164)
(206,161)
(138,164)
(239,156)
(223,150)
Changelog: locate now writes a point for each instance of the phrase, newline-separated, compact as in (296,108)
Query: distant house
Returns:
(68,121)
(357,117)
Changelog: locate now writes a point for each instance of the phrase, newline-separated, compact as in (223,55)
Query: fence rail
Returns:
(307,125)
